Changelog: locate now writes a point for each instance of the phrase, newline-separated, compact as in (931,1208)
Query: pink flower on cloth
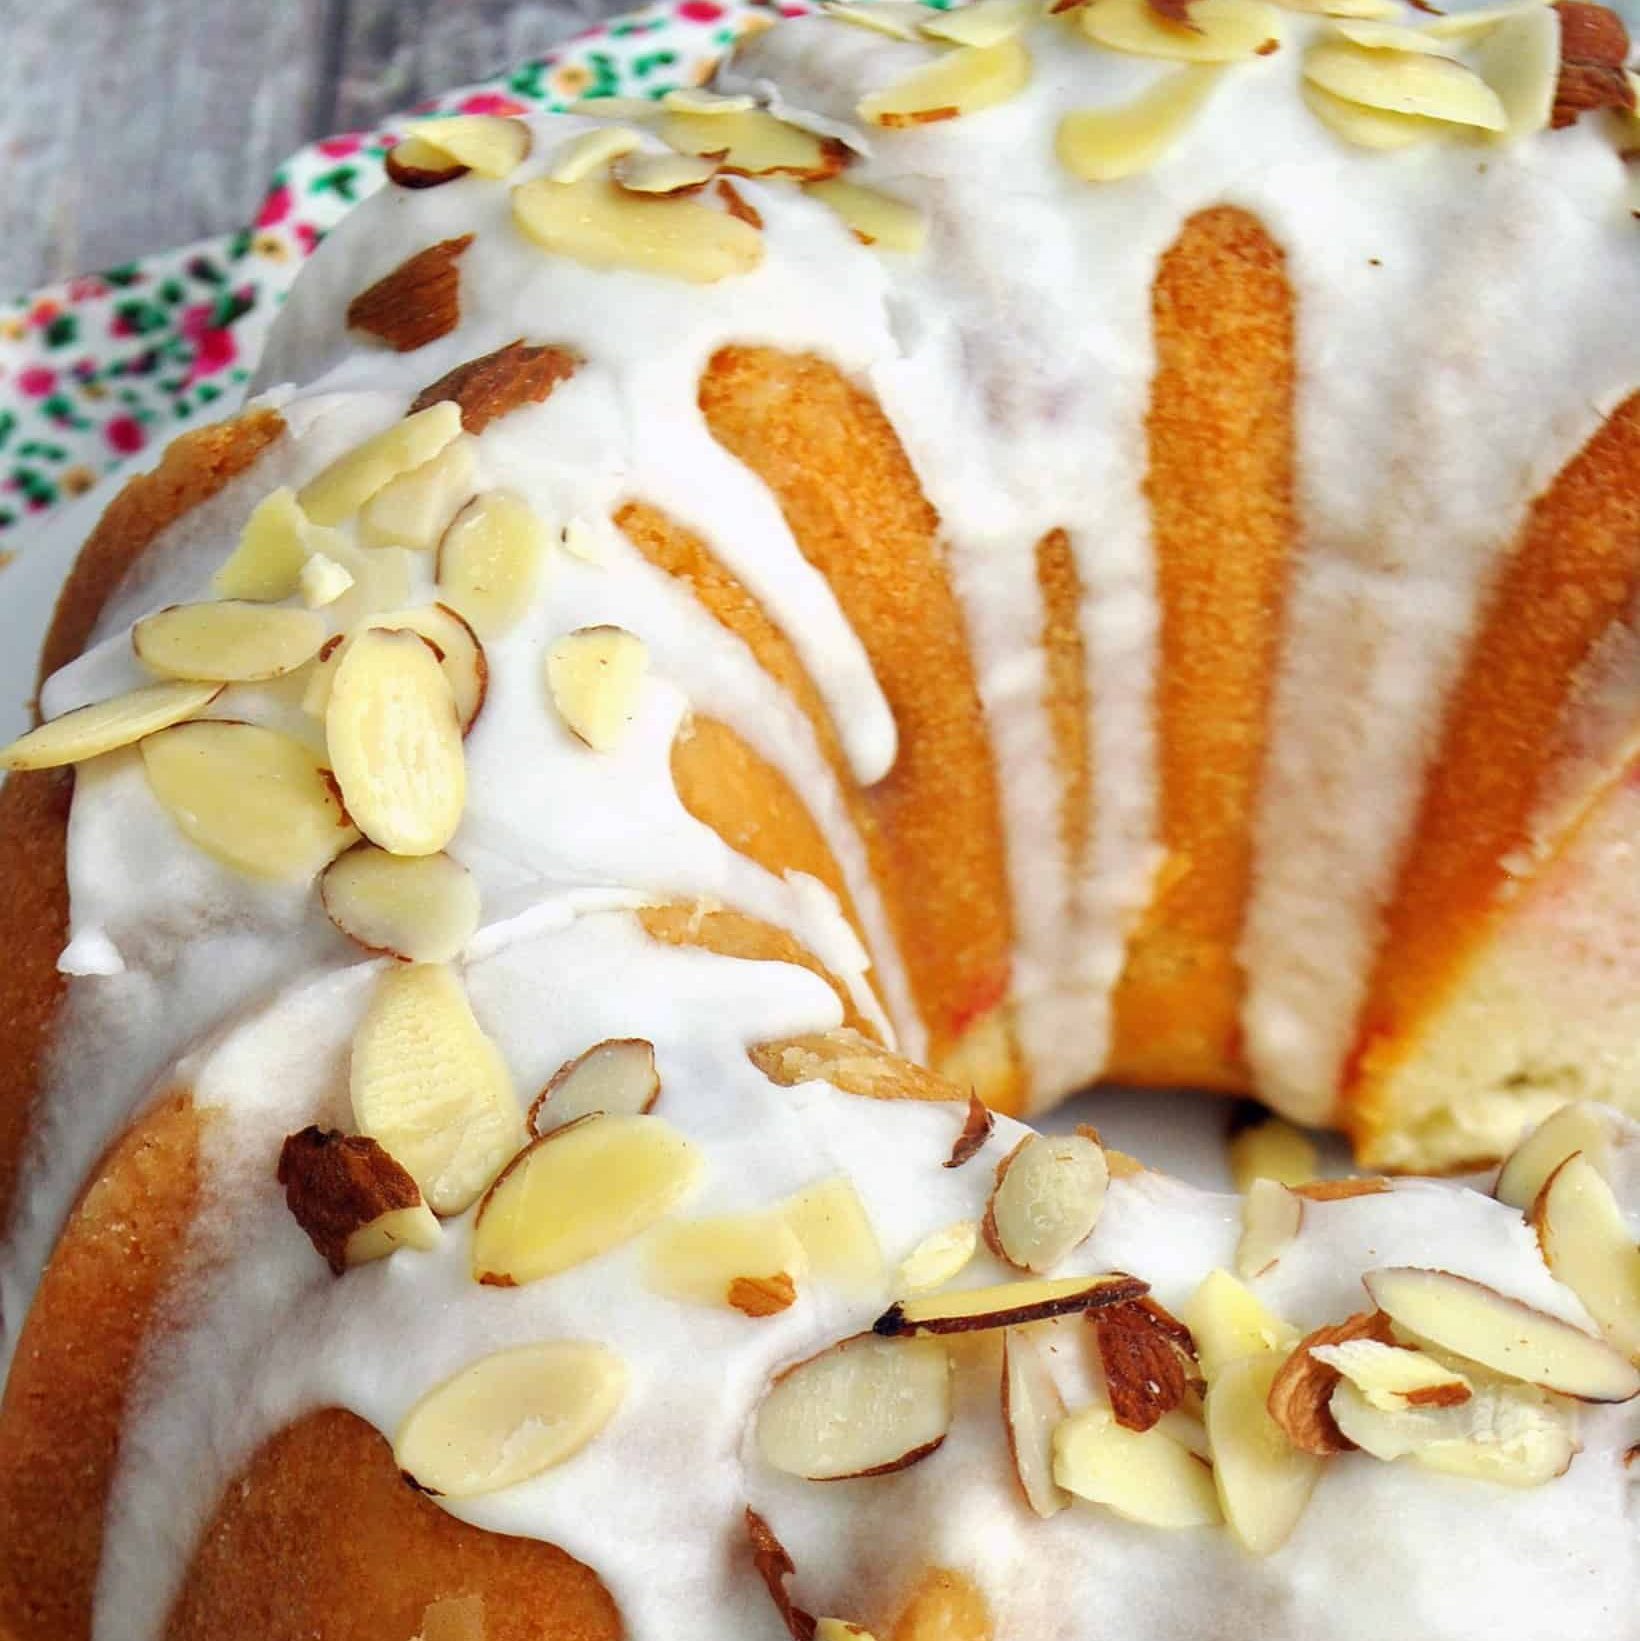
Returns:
(492,102)
(275,208)
(36,381)
(125,435)
(338,148)
(214,347)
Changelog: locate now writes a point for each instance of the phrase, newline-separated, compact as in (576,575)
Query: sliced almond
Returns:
(412,162)
(1007,1305)
(490,561)
(466,667)
(754,143)
(1341,1190)
(774,1567)
(420,909)
(322,581)
(1219,31)
(1269,1148)
(1515,1435)
(1049,1192)
(1391,1377)
(395,742)
(1583,1126)
(228,642)
(1376,35)
(105,726)
(663,173)
(1387,10)
(591,152)
(259,801)
(1482,1325)
(416,508)
(278,539)
(963,81)
(418,302)
(853,1062)
(429,1085)
(1032,1410)
(751,1262)
(941,1256)
(596,676)
(1404,83)
(578,1191)
(1145,1477)
(1263,1481)
(602,226)
(896,19)
(380,581)
(984,23)
(1369,127)
(1300,1391)
(1228,1322)
(875,218)
(1270,1219)
(493,385)
(350,481)
(695,99)
(1587,1245)
(488,145)
(1149,1362)
(865,1407)
(508,1417)
(616,1077)
(1520,60)
(355,1203)
(835,1230)
(976,1130)
(1106,144)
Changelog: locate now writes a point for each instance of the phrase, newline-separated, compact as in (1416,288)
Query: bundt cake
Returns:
(990,551)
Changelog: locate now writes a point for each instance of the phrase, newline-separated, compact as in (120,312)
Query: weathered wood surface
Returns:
(128,126)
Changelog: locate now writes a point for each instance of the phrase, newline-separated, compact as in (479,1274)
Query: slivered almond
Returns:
(591,152)
(259,801)
(1392,1377)
(488,145)
(1006,1305)
(595,675)
(963,81)
(1145,1477)
(1367,127)
(598,224)
(976,1130)
(1267,1147)
(106,726)
(350,481)
(395,742)
(835,1230)
(1032,1410)
(412,162)
(1270,1219)
(1263,1481)
(466,668)
(864,1407)
(578,1191)
(508,1417)
(1105,144)
(1583,1126)
(754,144)
(1219,31)
(419,909)
(663,173)
(617,1077)
(416,508)
(874,218)
(1588,1246)
(491,559)
(984,23)
(1227,1322)
(227,642)
(1148,1359)
(1520,60)
(322,581)
(1403,83)
(381,581)
(429,1085)
(418,302)
(749,1262)
(939,1257)
(355,1203)
(278,539)
(1301,1389)
(1049,1192)
(489,387)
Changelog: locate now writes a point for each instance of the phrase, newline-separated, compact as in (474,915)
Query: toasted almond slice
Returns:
(1270,1219)
(1510,1434)
(1007,1305)
(353,1200)
(897,19)
(596,676)
(941,1256)
(227,642)
(1300,1390)
(466,667)
(278,539)
(1049,1192)
(490,561)
(1393,1378)
(1403,83)
(865,1407)
(663,173)
(1227,1323)
(1106,144)
(1219,31)
(1481,1325)
(417,302)
(578,1191)
(1270,1148)
(976,1130)
(1520,60)
(432,1087)
(1032,1410)
(497,383)
(616,1077)
(413,162)
(702,1261)
(416,508)
(1263,1481)
(875,218)
(395,742)
(1468,24)
(984,23)
(105,726)
(420,909)
(754,144)
(1369,127)
(1342,1190)
(596,223)
(1381,36)
(1587,1245)
(832,1224)
(350,481)
(1582,1126)
(1145,1477)
(257,800)
(508,1417)
(322,581)
(695,99)
(963,81)
(488,145)
(593,151)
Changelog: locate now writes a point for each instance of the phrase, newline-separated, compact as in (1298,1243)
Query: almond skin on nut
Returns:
(417,303)
(1300,1392)
(1149,1360)
(337,1184)
(976,1130)
(487,388)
